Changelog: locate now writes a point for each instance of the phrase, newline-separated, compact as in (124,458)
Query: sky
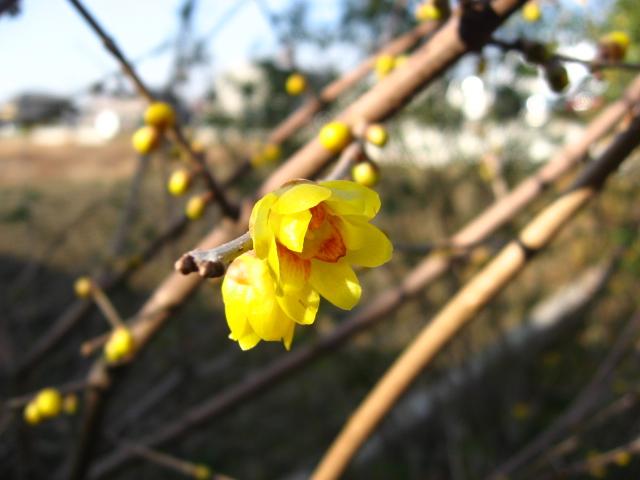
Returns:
(49,48)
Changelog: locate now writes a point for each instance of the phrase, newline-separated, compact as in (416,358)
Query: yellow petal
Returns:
(259,225)
(301,197)
(248,341)
(351,198)
(370,247)
(294,271)
(288,338)
(292,228)
(301,306)
(252,309)
(336,282)
(236,296)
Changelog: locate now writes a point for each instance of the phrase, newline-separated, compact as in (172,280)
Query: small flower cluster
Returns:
(158,117)
(47,404)
(306,238)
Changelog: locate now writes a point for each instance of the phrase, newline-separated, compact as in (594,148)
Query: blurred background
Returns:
(68,172)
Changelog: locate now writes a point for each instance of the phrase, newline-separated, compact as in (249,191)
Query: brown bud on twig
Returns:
(214,262)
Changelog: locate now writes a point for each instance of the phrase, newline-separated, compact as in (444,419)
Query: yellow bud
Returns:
(119,345)
(377,135)
(70,404)
(384,65)
(197,147)
(31,414)
(49,402)
(195,207)
(295,84)
(82,287)
(614,46)
(271,152)
(335,136)
(531,11)
(427,11)
(179,182)
(160,115)
(145,139)
(202,472)
(622,459)
(521,411)
(366,174)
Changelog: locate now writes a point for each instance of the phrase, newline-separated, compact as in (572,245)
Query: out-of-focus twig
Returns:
(583,404)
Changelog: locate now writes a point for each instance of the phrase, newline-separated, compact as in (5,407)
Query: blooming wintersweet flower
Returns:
(306,238)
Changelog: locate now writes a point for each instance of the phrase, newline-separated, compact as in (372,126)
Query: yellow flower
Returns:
(295,84)
(49,402)
(306,237)
(427,11)
(321,229)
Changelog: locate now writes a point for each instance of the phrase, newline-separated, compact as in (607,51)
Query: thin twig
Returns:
(214,262)
(106,307)
(598,462)
(175,131)
(583,404)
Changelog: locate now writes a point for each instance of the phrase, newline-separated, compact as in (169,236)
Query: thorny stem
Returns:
(175,131)
(214,262)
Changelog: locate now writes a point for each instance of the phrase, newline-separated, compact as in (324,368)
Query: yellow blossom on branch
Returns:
(306,236)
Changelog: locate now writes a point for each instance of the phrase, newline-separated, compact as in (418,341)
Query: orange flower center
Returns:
(323,240)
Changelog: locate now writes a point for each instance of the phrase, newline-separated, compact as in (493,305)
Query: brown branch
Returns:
(214,262)
(583,404)
(598,462)
(463,307)
(380,308)
(175,131)
(188,469)
(105,306)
